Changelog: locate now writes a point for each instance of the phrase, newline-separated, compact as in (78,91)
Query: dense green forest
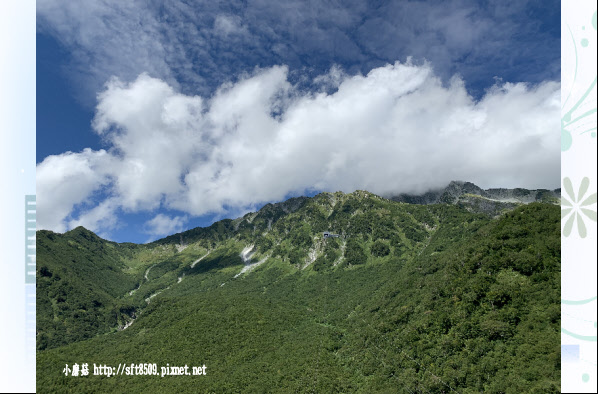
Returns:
(409,298)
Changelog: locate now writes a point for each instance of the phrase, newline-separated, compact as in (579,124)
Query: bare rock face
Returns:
(456,189)
(472,196)
(524,195)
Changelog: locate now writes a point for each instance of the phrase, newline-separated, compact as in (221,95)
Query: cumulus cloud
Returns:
(65,181)
(396,129)
(101,218)
(155,135)
(162,225)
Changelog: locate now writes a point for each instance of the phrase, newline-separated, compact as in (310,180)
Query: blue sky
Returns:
(154,117)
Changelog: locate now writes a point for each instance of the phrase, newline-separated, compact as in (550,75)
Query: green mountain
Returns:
(408,298)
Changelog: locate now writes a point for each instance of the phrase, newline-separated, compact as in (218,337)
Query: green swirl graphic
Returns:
(588,338)
(567,122)
(581,302)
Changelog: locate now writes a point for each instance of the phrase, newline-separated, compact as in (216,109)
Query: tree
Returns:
(380,249)
(354,253)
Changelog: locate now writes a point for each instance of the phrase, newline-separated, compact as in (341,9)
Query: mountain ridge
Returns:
(492,201)
(455,189)
(268,303)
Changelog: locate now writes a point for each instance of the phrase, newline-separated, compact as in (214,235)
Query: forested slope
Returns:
(409,298)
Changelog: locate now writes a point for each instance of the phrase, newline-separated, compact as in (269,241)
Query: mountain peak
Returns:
(82,232)
(79,230)
(458,191)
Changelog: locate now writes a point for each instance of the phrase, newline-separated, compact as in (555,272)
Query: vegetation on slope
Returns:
(409,299)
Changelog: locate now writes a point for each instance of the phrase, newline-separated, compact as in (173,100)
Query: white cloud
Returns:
(225,25)
(397,129)
(201,44)
(155,134)
(331,79)
(162,225)
(108,37)
(102,217)
(66,180)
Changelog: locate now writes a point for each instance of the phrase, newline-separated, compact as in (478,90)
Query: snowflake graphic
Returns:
(576,207)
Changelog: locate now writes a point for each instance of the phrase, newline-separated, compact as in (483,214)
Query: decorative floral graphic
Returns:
(578,138)
(576,207)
